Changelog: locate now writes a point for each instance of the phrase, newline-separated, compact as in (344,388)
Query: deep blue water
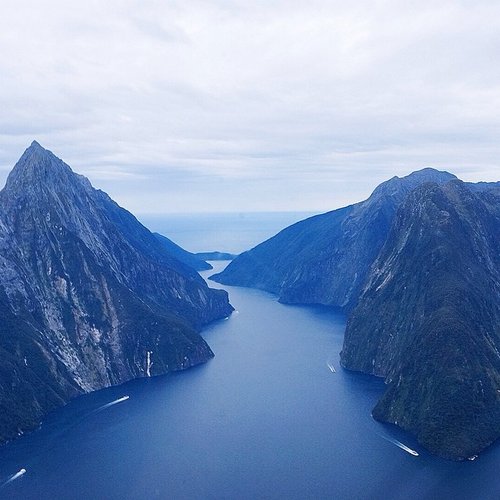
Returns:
(266,418)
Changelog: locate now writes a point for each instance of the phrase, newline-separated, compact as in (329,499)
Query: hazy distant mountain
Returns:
(191,259)
(216,255)
(417,269)
(88,296)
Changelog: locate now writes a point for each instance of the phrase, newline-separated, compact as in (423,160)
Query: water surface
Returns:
(266,418)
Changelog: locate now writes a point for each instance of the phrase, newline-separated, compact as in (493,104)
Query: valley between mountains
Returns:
(416,268)
(90,298)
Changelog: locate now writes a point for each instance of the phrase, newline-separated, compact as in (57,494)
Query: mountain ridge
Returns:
(188,258)
(90,297)
(288,263)
(416,269)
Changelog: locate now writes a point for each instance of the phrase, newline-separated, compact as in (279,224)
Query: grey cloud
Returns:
(229,105)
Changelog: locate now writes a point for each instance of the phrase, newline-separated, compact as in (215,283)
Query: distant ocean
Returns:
(224,232)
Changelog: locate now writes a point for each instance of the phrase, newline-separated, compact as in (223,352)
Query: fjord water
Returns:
(266,418)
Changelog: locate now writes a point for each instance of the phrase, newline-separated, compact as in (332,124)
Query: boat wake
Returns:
(14,477)
(399,444)
(115,402)
(331,367)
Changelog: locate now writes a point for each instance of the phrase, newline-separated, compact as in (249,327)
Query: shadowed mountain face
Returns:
(188,258)
(88,296)
(428,319)
(417,269)
(325,259)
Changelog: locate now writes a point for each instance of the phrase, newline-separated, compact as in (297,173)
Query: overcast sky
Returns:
(251,105)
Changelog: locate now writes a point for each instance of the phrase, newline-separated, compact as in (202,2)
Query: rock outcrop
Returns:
(88,296)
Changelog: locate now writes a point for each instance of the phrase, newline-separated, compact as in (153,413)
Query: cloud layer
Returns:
(242,106)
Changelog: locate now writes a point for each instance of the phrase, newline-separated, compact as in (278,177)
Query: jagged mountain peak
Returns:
(36,153)
(40,167)
(43,193)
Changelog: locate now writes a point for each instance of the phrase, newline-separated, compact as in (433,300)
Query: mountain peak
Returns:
(400,186)
(36,149)
(429,174)
(38,166)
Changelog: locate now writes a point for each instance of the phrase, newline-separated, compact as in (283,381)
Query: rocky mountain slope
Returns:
(428,319)
(88,296)
(325,259)
(188,258)
(416,267)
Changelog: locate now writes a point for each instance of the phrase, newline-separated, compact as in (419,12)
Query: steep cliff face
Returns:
(417,269)
(89,297)
(325,259)
(428,319)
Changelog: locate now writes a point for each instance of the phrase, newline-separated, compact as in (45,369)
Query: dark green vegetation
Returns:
(417,269)
(429,319)
(88,296)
